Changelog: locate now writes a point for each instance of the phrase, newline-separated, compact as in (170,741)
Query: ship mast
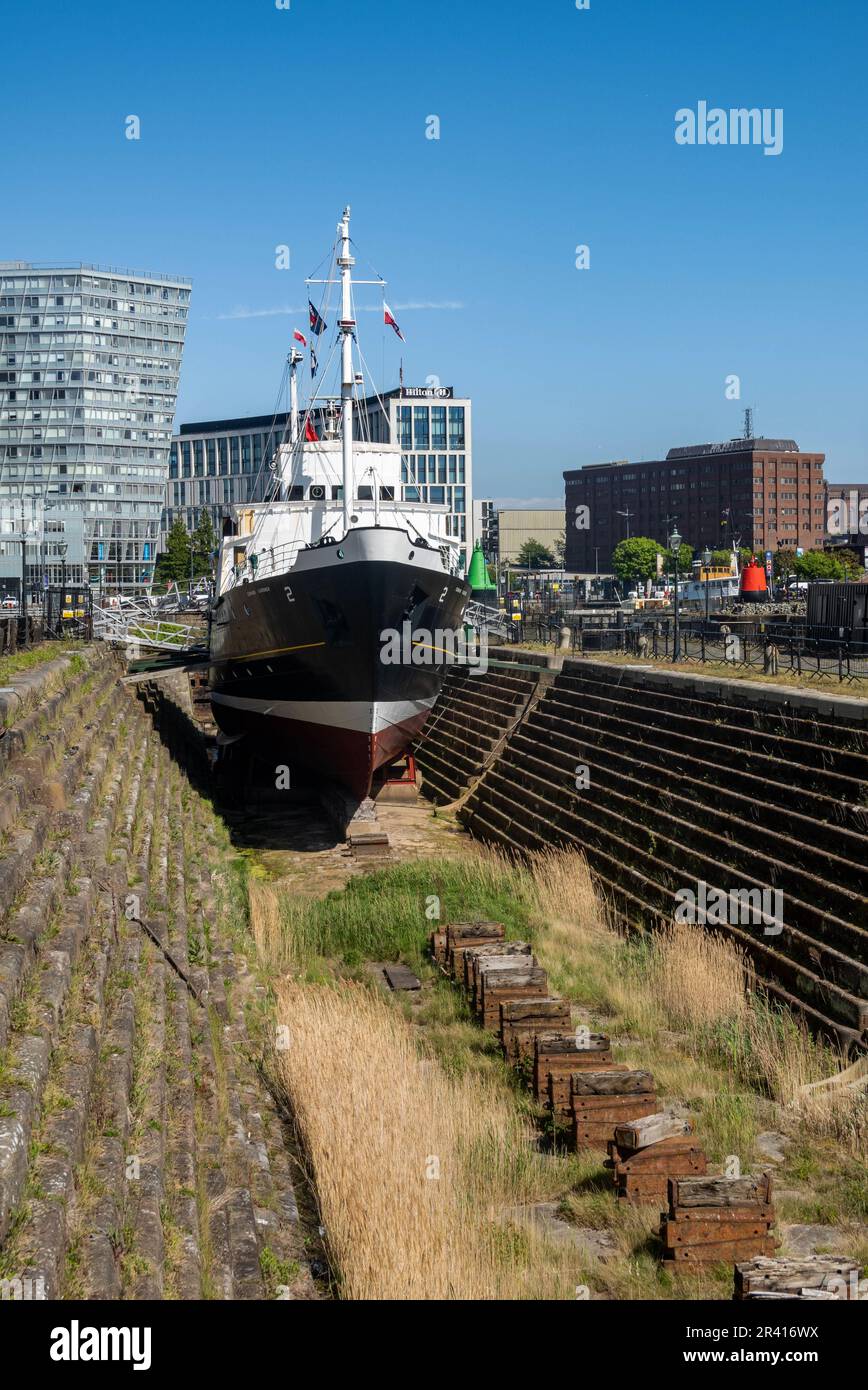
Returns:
(347,327)
(295,357)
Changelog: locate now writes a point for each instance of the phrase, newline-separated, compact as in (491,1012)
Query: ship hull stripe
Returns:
(357,716)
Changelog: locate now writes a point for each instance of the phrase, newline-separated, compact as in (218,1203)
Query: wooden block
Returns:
(674,1233)
(627,1107)
(437,943)
(594,1123)
(556,1055)
(468,955)
(613,1082)
(520,959)
(796,1276)
(702,1216)
(642,1189)
(559,1083)
(524,1018)
(497,988)
(552,1045)
(719,1192)
(655,1157)
(640,1133)
(721,1252)
(470,933)
(400,977)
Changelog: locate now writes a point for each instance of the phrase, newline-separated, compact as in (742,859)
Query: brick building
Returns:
(755,492)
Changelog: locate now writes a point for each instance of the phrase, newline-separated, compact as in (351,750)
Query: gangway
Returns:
(486,619)
(135,626)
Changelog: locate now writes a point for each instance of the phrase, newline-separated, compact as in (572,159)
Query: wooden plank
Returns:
(520,988)
(663,1157)
(529,1010)
(640,1133)
(559,1079)
(699,1216)
(612,1083)
(720,1192)
(437,943)
(470,932)
(466,964)
(551,1045)
(791,1274)
(676,1233)
(400,977)
(627,1107)
(721,1252)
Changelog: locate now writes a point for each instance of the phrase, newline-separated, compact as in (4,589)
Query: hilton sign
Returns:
(439,392)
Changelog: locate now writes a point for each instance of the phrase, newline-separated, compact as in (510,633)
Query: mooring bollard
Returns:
(565,639)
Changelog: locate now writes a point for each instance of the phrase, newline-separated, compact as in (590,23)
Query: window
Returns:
(438,427)
(420,426)
(456,427)
(387,494)
(405,433)
(365,494)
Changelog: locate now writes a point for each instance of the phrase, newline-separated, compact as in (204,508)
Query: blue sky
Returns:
(557,129)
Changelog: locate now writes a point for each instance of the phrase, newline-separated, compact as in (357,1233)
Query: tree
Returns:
(635,559)
(817,564)
(204,543)
(561,547)
(534,555)
(783,565)
(853,567)
(685,560)
(174,562)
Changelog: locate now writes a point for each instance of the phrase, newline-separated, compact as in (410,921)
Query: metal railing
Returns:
(780,649)
(135,625)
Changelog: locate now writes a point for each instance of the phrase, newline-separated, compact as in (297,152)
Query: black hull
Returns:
(297,658)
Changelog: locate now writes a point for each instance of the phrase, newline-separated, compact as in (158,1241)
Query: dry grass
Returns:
(381,1090)
(698,977)
(380,1120)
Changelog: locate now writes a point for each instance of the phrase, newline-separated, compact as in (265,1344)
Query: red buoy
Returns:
(753,587)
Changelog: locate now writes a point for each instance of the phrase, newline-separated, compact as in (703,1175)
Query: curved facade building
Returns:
(89,365)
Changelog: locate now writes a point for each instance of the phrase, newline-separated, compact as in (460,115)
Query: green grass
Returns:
(33,657)
(382,916)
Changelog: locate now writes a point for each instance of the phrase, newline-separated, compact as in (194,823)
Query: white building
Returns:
(89,363)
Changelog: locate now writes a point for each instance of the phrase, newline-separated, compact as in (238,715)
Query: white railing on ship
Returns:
(260,564)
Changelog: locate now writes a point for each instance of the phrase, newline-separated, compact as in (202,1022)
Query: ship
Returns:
(315,583)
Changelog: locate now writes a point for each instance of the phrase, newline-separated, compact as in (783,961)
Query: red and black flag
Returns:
(389,318)
(317,322)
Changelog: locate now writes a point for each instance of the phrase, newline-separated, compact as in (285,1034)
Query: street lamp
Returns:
(674,543)
(62,547)
(706,561)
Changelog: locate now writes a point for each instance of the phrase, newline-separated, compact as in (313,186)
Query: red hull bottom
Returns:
(346,756)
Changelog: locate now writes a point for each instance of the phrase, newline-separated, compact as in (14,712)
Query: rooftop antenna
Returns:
(748,423)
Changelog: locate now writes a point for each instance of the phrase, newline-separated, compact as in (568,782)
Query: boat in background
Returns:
(312,581)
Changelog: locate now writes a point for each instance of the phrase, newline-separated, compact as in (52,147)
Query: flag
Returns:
(317,322)
(310,433)
(314,364)
(299,337)
(389,318)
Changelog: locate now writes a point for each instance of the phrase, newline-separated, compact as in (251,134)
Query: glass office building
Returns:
(219,462)
(89,364)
